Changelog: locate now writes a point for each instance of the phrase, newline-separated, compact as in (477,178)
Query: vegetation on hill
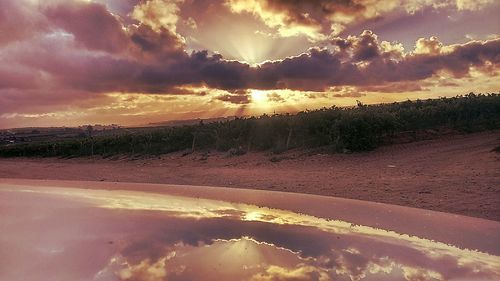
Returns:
(360,128)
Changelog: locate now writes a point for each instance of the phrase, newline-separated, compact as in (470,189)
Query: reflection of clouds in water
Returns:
(181,238)
(120,269)
(235,259)
(247,259)
(299,273)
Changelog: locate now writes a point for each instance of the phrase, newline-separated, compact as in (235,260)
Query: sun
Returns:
(258,97)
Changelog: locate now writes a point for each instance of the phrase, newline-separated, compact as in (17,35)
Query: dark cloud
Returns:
(95,28)
(457,62)
(237,97)
(315,71)
(320,68)
(389,65)
(92,25)
(155,47)
(158,65)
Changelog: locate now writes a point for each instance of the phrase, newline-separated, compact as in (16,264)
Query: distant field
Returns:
(362,128)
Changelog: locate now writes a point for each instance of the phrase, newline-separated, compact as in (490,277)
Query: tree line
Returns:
(359,128)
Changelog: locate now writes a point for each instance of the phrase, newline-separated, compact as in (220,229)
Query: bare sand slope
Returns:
(458,174)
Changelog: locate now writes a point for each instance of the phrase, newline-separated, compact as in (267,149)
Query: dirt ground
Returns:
(455,174)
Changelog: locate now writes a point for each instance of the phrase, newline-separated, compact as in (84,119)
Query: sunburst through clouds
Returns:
(134,62)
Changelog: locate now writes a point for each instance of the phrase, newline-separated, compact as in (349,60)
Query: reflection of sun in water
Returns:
(253,216)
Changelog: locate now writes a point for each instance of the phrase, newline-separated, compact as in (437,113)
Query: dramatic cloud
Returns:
(364,61)
(91,24)
(79,52)
(317,19)
(158,14)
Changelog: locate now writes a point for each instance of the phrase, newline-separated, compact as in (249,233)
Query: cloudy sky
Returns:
(74,62)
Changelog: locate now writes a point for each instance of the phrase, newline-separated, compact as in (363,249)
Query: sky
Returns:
(134,62)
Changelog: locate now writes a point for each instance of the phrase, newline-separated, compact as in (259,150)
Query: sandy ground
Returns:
(456,174)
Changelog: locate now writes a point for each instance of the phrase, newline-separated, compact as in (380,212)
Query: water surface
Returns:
(98,231)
